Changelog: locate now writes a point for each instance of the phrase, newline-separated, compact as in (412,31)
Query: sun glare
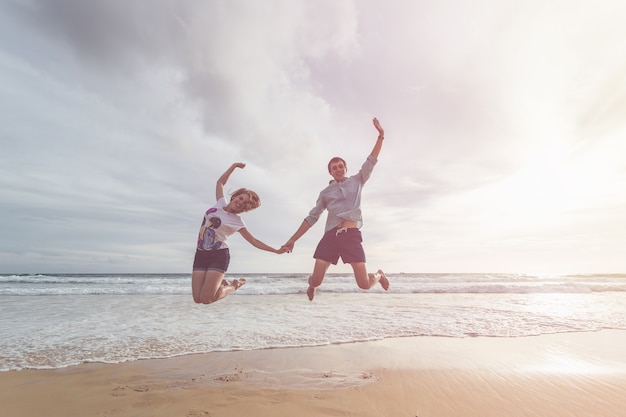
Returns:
(544,187)
(555,182)
(562,362)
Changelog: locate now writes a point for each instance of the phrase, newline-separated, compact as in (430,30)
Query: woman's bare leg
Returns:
(315,280)
(210,286)
(367,280)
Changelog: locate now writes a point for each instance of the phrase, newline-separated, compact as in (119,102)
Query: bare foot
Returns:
(384,282)
(310,292)
(238,282)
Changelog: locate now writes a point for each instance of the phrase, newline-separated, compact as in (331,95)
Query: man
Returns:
(342,237)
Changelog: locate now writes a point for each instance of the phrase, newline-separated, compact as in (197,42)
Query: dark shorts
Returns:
(341,242)
(215,260)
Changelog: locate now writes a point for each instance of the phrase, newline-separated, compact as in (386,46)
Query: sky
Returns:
(505,131)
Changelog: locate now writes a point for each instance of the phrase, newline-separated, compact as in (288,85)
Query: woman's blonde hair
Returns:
(254,201)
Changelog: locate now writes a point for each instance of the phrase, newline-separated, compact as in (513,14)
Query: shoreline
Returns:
(565,374)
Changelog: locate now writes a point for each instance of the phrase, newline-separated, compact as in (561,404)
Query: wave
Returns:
(282,284)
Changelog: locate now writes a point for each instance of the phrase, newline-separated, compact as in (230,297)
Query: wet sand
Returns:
(569,375)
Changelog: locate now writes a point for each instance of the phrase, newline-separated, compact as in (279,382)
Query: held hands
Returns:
(282,250)
(381,131)
(287,247)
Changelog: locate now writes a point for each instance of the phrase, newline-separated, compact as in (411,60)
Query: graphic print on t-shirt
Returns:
(206,238)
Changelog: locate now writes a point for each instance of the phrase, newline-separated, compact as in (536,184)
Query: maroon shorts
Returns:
(214,260)
(341,242)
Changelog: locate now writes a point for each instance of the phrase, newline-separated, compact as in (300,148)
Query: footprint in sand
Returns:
(109,413)
(197,413)
(118,391)
(228,378)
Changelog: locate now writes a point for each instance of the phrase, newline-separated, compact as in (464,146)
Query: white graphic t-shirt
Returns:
(217,225)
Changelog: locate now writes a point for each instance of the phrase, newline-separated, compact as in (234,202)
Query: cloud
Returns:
(503,127)
(243,64)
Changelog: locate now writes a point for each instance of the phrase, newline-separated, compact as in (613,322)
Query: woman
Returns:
(212,254)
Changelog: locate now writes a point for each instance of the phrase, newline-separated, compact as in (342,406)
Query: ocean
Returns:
(59,320)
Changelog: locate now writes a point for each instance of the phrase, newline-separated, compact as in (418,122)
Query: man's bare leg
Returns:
(315,280)
(367,280)
(310,292)
(382,278)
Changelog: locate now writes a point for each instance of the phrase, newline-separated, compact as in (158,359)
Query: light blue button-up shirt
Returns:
(342,199)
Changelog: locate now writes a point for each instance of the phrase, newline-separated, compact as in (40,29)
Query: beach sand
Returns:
(569,375)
